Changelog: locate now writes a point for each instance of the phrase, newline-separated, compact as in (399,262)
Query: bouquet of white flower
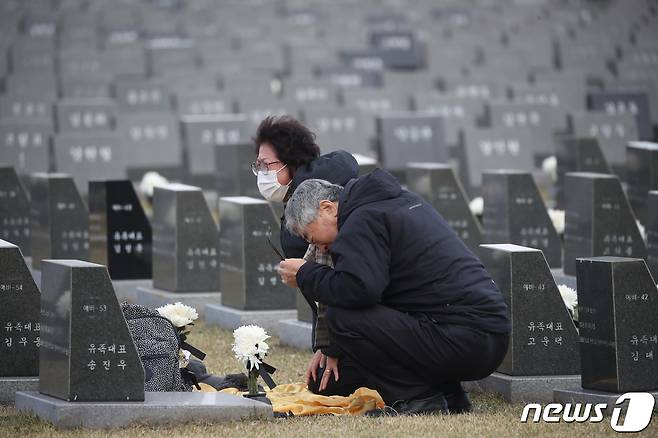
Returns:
(182,317)
(250,347)
(570,298)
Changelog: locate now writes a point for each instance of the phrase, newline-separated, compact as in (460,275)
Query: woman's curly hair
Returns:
(294,143)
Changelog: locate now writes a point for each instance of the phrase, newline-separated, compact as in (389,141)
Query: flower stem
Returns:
(252,382)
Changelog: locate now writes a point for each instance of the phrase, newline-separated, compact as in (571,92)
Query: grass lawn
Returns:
(492,417)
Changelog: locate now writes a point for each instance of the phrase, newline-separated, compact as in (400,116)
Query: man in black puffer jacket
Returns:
(412,311)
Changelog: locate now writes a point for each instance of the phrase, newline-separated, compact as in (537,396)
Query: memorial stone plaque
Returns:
(59,220)
(85,87)
(544,339)
(19,315)
(210,103)
(338,129)
(514,212)
(598,220)
(142,95)
(153,139)
(494,148)
(362,59)
(612,131)
(87,353)
(85,114)
(31,83)
(202,133)
(399,49)
(256,107)
(26,107)
(577,154)
(410,137)
(457,113)
(249,277)
(120,232)
(438,185)
(14,210)
(185,241)
(348,77)
(88,155)
(374,102)
(617,102)
(641,175)
(24,145)
(234,175)
(652,232)
(311,92)
(618,314)
(124,59)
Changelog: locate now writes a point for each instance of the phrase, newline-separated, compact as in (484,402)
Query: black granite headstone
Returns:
(514,212)
(544,339)
(618,102)
(641,175)
(14,210)
(348,77)
(24,145)
(87,352)
(153,139)
(598,220)
(19,315)
(398,49)
(59,220)
(85,114)
(577,154)
(438,184)
(119,231)
(652,232)
(249,277)
(234,175)
(185,241)
(613,131)
(410,137)
(618,318)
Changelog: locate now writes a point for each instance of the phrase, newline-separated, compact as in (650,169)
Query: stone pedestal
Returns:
(580,395)
(296,333)
(231,318)
(10,385)
(152,298)
(517,389)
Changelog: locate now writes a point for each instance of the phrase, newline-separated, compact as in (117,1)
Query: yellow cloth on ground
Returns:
(296,398)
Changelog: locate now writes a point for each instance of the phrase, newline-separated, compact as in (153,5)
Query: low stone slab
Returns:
(126,290)
(158,408)
(152,298)
(10,385)
(296,333)
(230,318)
(580,395)
(531,389)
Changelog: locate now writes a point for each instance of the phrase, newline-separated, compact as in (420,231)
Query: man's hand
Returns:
(288,271)
(318,360)
(331,367)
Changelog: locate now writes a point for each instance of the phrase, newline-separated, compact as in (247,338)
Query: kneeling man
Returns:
(411,310)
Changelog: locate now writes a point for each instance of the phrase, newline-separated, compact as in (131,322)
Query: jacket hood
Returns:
(337,167)
(376,186)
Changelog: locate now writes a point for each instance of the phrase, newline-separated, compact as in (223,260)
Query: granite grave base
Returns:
(581,395)
(152,298)
(126,290)
(295,333)
(10,385)
(230,318)
(531,389)
(158,408)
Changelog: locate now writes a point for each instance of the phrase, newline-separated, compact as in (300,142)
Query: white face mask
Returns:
(270,187)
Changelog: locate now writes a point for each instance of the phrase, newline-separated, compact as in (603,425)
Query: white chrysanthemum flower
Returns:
(557,217)
(477,206)
(549,165)
(179,314)
(570,298)
(249,345)
(642,230)
(150,180)
(183,358)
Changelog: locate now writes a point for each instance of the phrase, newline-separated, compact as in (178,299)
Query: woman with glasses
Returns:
(287,155)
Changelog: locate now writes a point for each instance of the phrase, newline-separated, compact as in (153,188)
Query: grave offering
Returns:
(543,351)
(59,220)
(438,184)
(14,210)
(19,321)
(120,235)
(599,220)
(618,313)
(514,212)
(252,291)
(641,175)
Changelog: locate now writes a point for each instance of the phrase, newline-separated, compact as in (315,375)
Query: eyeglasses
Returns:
(262,166)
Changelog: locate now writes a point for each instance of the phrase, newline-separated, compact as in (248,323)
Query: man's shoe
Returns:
(458,402)
(432,405)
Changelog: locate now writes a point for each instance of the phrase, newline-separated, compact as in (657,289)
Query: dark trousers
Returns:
(407,357)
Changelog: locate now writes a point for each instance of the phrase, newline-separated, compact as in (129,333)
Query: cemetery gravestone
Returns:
(618,311)
(234,174)
(142,95)
(457,113)
(85,114)
(120,232)
(185,241)
(19,315)
(514,212)
(652,232)
(14,210)
(598,220)
(87,352)
(59,221)
(438,184)
(208,103)
(617,102)
(613,132)
(249,277)
(641,175)
(398,49)
(348,77)
(24,145)
(26,107)
(338,129)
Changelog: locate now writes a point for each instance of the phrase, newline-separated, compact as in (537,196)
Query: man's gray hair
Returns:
(302,207)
